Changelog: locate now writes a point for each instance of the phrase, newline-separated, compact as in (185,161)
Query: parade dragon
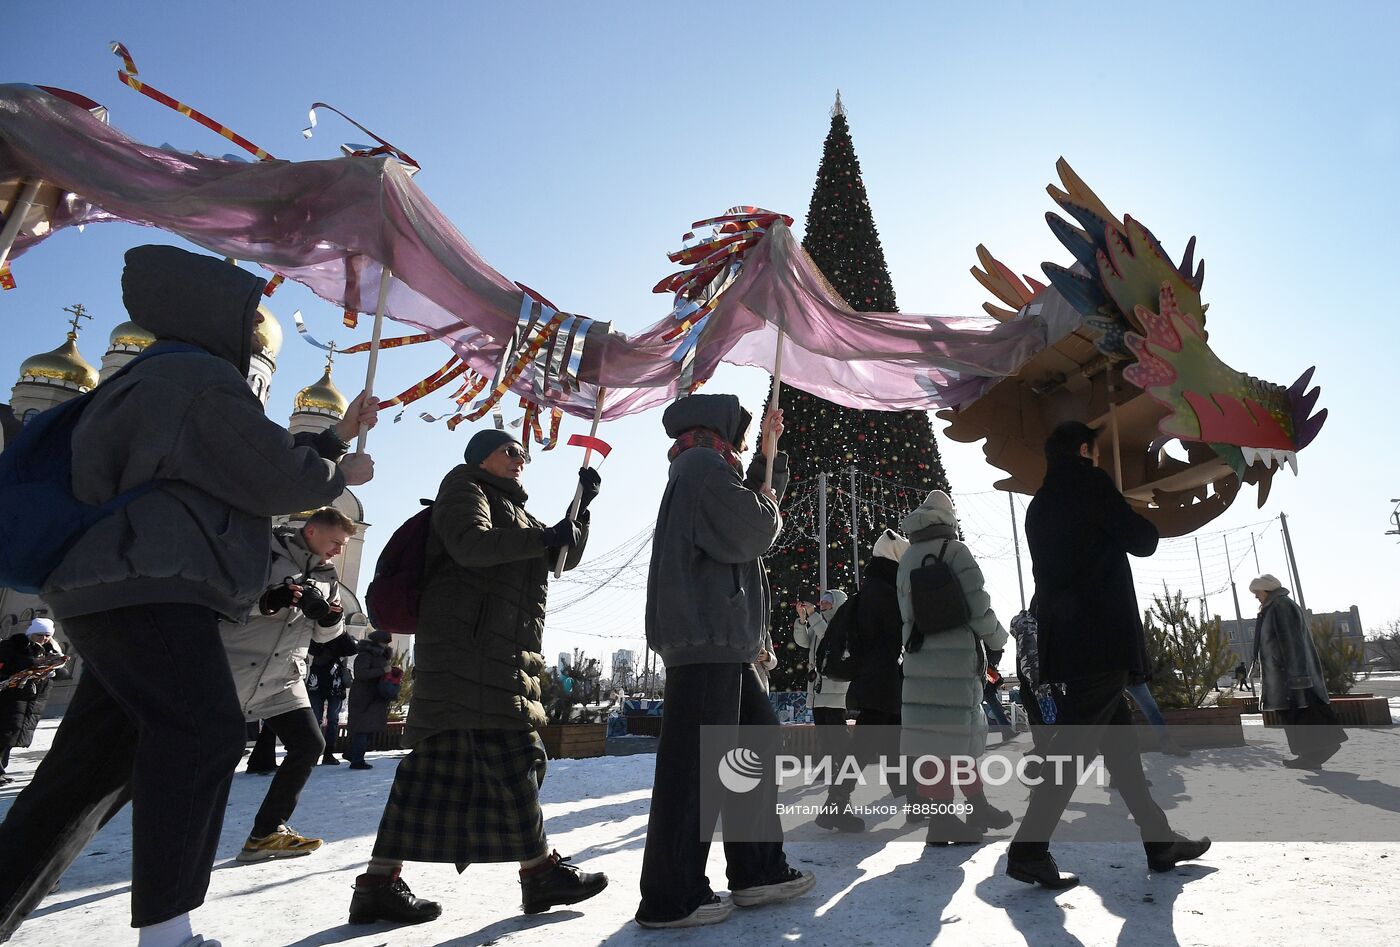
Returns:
(1116,339)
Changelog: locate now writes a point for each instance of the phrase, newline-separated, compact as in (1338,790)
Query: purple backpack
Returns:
(393,593)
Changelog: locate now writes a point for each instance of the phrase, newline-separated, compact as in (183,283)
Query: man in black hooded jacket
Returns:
(155,718)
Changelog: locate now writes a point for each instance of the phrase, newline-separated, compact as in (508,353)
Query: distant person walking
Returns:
(1293,682)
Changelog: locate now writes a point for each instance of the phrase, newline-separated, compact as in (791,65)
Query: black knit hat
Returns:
(485,443)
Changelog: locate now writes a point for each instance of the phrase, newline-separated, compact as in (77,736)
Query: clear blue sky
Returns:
(574,143)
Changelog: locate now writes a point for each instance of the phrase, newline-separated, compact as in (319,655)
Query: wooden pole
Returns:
(18,211)
(386,277)
(1113,424)
(578,491)
(770,450)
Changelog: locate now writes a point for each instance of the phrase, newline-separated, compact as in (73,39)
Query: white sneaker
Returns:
(792,884)
(714,911)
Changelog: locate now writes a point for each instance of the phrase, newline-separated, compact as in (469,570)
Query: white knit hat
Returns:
(1265,583)
(891,545)
(40,626)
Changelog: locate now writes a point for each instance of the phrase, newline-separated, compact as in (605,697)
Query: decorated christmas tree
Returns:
(893,453)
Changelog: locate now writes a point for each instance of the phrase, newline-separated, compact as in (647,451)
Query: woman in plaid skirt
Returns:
(469,791)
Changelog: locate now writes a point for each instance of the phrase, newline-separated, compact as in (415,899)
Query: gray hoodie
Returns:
(707,593)
(187,419)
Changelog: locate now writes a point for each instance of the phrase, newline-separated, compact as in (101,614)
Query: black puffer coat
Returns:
(369,711)
(22,706)
(878,641)
(1081,531)
(481,615)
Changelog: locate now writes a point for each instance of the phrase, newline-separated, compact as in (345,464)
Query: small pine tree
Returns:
(1340,658)
(1189,655)
(898,446)
(398,708)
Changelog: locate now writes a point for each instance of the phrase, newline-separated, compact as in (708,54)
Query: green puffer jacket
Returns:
(481,616)
(942,707)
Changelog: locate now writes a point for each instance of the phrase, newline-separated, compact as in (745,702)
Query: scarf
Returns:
(704,437)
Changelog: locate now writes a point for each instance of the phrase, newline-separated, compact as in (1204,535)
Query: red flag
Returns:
(592,443)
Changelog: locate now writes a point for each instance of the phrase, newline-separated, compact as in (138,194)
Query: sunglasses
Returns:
(515,453)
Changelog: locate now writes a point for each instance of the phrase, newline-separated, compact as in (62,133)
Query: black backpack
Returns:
(834,657)
(939,603)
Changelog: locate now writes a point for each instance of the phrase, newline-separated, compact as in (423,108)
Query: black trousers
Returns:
(1092,718)
(673,879)
(264,755)
(300,733)
(328,708)
(870,749)
(1313,731)
(155,720)
(835,741)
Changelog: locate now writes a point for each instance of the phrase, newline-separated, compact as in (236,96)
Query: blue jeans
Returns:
(1145,702)
(359,742)
(331,707)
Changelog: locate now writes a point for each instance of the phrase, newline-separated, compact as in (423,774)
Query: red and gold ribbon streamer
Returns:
(272,284)
(433,382)
(128,75)
(7,279)
(556,416)
(530,350)
(393,343)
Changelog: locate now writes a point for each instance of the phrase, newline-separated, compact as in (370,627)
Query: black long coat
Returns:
(21,707)
(1080,532)
(369,712)
(879,635)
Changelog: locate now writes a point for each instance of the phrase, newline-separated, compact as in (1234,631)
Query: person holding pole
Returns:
(469,790)
(154,578)
(1080,531)
(707,611)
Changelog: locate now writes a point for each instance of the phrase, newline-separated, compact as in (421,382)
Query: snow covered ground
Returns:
(881,888)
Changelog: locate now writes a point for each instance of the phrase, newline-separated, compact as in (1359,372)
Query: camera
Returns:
(312,603)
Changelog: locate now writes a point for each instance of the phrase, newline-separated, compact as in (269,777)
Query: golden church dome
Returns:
(63,366)
(131,335)
(268,335)
(322,397)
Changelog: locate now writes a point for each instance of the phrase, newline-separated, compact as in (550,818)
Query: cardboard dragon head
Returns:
(1125,311)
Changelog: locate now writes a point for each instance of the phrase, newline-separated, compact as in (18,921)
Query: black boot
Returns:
(387,898)
(555,882)
(838,819)
(986,816)
(1037,868)
(1163,856)
(944,828)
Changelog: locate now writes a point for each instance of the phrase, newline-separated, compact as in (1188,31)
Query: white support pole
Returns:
(770,450)
(1202,569)
(15,219)
(1016,541)
(386,277)
(578,491)
(821,529)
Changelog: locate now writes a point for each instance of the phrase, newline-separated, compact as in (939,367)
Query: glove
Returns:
(275,599)
(993,658)
(589,479)
(332,617)
(563,533)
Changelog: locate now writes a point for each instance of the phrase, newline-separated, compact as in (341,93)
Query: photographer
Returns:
(268,657)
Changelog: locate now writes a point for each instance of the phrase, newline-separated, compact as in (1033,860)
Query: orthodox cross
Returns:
(79,312)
